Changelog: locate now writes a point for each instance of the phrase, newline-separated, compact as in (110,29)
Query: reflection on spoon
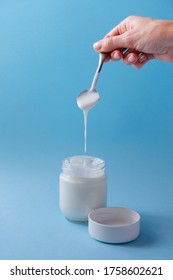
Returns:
(87,99)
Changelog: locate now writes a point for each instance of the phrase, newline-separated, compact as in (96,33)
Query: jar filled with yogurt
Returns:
(82,187)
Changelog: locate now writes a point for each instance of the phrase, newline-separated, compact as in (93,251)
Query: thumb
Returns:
(110,44)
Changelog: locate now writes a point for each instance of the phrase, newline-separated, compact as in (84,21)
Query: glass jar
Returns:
(82,186)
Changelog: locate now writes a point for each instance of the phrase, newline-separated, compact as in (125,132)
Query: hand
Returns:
(142,38)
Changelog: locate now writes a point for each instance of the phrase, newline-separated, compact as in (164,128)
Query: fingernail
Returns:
(116,56)
(131,58)
(97,46)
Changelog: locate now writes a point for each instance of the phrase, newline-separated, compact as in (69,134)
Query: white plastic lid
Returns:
(114,224)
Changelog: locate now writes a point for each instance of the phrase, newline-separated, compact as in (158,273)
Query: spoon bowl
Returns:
(87,99)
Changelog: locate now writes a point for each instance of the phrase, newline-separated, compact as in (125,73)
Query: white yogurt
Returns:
(82,187)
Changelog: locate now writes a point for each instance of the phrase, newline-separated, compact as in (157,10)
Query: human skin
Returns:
(143,39)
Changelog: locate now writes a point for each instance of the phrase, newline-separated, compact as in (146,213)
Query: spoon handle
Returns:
(102,57)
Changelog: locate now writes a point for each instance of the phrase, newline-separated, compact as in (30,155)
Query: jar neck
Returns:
(83,167)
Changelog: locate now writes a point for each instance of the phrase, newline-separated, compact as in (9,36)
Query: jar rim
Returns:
(83,162)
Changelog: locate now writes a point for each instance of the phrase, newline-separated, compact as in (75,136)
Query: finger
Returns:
(110,44)
(114,32)
(140,61)
(131,57)
(143,59)
(117,55)
(118,29)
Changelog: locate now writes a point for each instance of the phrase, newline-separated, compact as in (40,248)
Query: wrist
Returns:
(166,27)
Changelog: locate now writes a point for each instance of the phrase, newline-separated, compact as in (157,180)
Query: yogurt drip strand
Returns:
(85,112)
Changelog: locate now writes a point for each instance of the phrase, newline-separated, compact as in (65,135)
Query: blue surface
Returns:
(46,59)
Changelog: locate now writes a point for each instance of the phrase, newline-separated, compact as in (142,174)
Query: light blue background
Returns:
(46,59)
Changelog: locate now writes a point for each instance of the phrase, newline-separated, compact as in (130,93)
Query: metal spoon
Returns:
(89,98)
